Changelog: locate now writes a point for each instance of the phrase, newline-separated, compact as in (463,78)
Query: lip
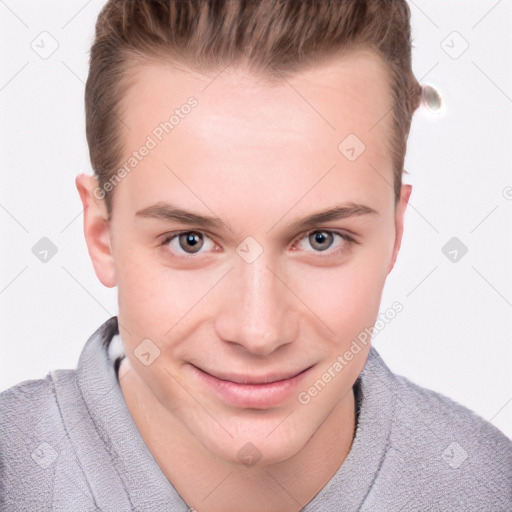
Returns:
(260,392)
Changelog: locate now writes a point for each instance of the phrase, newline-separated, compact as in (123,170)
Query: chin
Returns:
(259,443)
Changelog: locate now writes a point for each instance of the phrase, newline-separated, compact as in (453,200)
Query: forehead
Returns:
(340,85)
(245,130)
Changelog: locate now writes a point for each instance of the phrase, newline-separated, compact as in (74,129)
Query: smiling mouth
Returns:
(254,392)
(255,381)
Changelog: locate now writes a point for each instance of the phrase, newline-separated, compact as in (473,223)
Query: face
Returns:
(244,289)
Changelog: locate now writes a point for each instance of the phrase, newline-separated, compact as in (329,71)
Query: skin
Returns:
(259,157)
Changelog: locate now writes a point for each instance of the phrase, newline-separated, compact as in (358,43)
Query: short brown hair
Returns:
(266,35)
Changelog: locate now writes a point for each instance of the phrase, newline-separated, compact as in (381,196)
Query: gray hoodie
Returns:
(68,443)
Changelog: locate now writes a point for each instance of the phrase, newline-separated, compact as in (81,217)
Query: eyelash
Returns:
(347,238)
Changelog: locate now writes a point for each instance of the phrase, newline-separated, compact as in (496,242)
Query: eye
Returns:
(322,240)
(188,242)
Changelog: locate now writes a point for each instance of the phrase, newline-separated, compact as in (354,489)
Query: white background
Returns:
(454,333)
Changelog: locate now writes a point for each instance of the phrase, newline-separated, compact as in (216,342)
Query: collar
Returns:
(146,485)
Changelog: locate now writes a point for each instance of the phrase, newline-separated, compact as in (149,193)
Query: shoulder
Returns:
(439,417)
(445,453)
(22,404)
(32,436)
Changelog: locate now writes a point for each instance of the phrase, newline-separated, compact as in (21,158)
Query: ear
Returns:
(400,208)
(97,228)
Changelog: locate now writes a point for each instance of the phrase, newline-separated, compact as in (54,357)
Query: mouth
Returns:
(255,391)
(255,380)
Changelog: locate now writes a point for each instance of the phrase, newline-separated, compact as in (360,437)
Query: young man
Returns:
(248,205)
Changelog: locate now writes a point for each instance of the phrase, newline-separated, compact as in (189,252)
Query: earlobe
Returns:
(96,229)
(399,222)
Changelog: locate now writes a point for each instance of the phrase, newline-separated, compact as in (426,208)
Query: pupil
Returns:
(319,239)
(190,241)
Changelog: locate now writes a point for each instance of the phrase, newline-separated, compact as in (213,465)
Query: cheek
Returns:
(346,298)
(141,293)
(153,297)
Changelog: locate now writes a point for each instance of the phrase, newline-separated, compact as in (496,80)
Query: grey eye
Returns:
(321,240)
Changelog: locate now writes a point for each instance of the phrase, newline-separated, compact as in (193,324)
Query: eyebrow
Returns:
(169,212)
(337,212)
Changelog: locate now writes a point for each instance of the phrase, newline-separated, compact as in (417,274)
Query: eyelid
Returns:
(348,235)
(349,238)
(166,238)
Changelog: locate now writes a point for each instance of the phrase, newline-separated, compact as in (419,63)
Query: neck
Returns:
(210,484)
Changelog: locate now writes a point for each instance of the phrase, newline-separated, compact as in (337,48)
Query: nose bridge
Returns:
(257,314)
(260,296)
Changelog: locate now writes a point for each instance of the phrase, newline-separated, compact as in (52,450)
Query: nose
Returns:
(257,312)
